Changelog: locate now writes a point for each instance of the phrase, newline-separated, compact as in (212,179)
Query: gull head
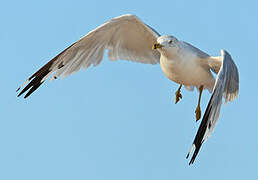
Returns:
(166,43)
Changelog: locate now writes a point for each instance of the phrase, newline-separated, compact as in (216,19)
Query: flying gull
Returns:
(126,37)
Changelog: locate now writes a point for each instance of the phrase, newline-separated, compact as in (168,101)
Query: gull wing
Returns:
(227,86)
(126,37)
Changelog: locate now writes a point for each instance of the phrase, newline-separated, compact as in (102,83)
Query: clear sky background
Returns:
(118,121)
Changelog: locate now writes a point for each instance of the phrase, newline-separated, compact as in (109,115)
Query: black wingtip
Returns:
(34,83)
(19,95)
(34,87)
(37,78)
(18,89)
(198,140)
(196,151)
(187,156)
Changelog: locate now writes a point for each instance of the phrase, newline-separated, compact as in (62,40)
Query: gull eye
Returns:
(170,41)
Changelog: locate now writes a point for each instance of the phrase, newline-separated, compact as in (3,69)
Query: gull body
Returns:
(184,66)
(127,38)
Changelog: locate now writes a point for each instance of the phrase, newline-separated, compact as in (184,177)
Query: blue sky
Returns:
(119,120)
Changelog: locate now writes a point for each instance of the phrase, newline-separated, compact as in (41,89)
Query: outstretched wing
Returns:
(126,37)
(227,86)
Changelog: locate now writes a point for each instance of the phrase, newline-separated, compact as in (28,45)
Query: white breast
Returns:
(185,68)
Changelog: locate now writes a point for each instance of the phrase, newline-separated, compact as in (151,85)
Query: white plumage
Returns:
(128,38)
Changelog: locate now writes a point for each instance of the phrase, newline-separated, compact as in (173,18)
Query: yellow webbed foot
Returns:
(178,96)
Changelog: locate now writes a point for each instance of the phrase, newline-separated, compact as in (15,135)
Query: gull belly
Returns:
(187,70)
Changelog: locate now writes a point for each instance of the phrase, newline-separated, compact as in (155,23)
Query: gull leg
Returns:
(178,94)
(198,109)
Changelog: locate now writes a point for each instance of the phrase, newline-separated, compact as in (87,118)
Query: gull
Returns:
(128,38)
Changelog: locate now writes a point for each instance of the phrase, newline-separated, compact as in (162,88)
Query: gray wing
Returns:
(196,51)
(227,86)
(126,37)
